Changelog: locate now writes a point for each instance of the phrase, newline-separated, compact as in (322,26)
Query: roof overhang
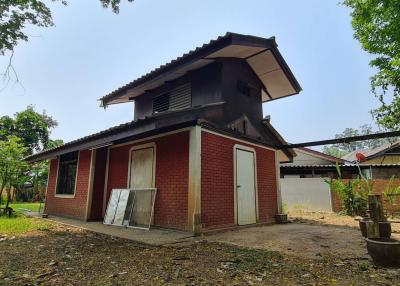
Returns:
(261,54)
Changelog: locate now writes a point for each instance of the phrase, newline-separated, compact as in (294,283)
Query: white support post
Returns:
(90,183)
(194,190)
(278,182)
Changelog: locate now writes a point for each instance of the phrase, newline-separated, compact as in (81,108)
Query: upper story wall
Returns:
(241,90)
(228,80)
(205,88)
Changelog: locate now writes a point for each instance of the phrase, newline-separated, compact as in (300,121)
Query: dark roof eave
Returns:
(105,137)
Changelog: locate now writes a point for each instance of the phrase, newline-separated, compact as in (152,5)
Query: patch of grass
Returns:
(20,224)
(253,259)
(34,207)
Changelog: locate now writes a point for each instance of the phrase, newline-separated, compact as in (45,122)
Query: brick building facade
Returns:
(172,181)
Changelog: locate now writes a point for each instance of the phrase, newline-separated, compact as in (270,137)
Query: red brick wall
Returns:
(74,206)
(172,171)
(217,189)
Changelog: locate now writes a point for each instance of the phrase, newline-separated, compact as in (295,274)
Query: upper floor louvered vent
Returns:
(178,98)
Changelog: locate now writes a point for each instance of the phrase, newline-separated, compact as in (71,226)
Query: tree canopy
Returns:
(28,132)
(15,15)
(376,25)
(13,168)
(31,127)
(341,149)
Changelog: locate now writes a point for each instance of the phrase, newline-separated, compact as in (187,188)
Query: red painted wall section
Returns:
(96,210)
(217,186)
(72,206)
(172,171)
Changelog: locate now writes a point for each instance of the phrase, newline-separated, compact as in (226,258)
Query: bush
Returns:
(352,196)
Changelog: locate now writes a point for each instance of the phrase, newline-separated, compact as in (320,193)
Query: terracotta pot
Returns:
(384,251)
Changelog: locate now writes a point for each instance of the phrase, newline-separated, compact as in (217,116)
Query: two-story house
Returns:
(198,136)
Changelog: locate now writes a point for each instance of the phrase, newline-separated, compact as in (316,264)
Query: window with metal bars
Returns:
(161,103)
(67,174)
(176,99)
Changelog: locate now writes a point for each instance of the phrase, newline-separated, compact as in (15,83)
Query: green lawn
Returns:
(34,207)
(20,224)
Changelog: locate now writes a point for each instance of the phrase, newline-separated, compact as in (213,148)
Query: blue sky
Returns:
(92,51)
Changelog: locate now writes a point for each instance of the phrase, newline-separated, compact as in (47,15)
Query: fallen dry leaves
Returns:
(70,256)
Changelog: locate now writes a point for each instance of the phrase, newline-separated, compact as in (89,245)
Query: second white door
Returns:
(245,187)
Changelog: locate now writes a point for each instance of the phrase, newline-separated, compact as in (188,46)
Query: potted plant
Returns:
(282,217)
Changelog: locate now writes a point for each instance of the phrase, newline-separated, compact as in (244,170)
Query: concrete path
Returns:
(154,236)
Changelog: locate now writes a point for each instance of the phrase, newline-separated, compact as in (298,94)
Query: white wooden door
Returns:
(245,187)
(142,176)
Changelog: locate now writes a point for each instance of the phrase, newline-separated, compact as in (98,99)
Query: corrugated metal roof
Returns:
(368,153)
(204,55)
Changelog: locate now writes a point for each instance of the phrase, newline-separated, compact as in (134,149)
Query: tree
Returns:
(33,131)
(13,168)
(341,149)
(31,127)
(15,15)
(376,25)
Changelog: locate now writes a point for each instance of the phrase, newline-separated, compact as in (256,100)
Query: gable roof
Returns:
(321,155)
(261,54)
(371,153)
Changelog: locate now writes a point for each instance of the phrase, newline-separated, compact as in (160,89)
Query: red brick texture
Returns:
(171,180)
(172,172)
(74,206)
(217,186)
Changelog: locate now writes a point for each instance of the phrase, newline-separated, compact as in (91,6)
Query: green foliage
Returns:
(391,191)
(20,224)
(352,193)
(334,151)
(15,15)
(341,149)
(13,168)
(33,207)
(376,25)
(114,4)
(32,130)
(353,198)
(32,127)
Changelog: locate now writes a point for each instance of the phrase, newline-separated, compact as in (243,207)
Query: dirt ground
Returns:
(71,256)
(334,219)
(301,240)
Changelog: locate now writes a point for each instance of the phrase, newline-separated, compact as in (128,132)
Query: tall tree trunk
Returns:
(8,210)
(14,191)
(1,193)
